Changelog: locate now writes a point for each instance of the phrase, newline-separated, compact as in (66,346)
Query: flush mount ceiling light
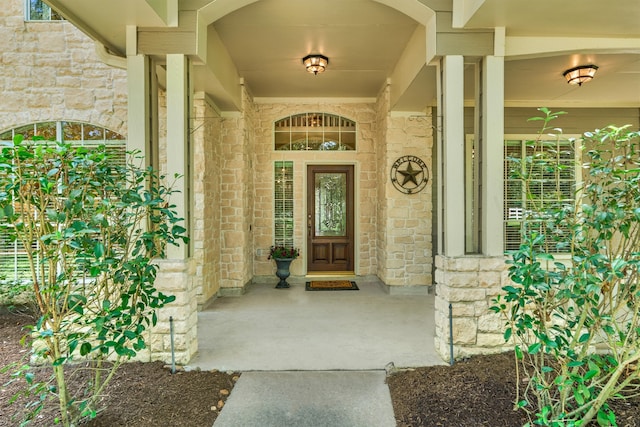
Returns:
(315,63)
(581,74)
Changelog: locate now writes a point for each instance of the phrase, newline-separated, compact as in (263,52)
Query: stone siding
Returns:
(365,181)
(50,72)
(237,199)
(404,243)
(175,277)
(469,284)
(205,223)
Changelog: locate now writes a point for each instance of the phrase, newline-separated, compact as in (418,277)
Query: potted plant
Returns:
(283,256)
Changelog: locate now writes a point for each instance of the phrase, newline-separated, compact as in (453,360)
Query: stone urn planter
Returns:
(283,257)
(282,271)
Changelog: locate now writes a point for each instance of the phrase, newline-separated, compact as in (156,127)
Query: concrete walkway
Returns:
(309,399)
(314,359)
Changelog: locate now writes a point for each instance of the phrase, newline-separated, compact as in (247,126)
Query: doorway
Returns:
(330,219)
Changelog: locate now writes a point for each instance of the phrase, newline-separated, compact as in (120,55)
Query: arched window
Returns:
(13,258)
(77,133)
(315,131)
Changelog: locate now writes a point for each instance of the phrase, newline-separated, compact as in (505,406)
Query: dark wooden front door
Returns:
(330,239)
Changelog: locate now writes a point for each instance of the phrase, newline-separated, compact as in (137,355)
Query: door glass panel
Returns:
(331,204)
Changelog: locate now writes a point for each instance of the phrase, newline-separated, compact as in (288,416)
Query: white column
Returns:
(177,140)
(139,133)
(492,150)
(453,154)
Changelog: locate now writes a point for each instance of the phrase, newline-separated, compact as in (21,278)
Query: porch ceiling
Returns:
(367,42)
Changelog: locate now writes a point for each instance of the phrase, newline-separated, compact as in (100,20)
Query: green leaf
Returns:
(519,354)
(8,211)
(46,333)
(507,334)
(534,348)
(604,419)
(510,289)
(85,348)
(584,337)
(98,250)
(591,373)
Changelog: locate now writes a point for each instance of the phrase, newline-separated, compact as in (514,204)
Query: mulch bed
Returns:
(141,394)
(474,392)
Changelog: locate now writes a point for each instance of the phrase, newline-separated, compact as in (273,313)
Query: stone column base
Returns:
(469,283)
(175,278)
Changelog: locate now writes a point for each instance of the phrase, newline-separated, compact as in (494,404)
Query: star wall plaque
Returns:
(409,174)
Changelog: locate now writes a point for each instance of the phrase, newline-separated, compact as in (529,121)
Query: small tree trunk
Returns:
(63,393)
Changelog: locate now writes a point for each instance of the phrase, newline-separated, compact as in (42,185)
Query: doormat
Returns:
(331,285)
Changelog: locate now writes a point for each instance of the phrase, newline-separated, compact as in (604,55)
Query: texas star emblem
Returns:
(409,174)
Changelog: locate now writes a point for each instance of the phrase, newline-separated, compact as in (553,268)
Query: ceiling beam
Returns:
(413,58)
(463,10)
(225,83)
(522,47)
(162,41)
(167,10)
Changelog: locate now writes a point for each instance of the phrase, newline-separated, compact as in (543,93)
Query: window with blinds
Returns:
(553,175)
(13,258)
(283,204)
(315,131)
(38,10)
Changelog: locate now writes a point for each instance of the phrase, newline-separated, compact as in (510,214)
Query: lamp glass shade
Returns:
(581,74)
(315,63)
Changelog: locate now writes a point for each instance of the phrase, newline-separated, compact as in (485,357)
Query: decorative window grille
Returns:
(315,131)
(550,183)
(13,258)
(37,10)
(283,203)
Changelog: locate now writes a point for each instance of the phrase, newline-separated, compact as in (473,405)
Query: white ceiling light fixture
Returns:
(580,74)
(315,63)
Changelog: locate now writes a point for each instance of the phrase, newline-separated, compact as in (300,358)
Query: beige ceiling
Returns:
(362,39)
(365,39)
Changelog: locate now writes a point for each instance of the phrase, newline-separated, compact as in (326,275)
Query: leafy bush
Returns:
(15,293)
(576,324)
(91,229)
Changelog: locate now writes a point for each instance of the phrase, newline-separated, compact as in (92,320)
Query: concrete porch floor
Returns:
(269,329)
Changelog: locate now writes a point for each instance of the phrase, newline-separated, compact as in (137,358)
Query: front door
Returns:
(330,237)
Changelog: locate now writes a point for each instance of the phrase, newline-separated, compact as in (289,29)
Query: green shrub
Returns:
(576,324)
(90,228)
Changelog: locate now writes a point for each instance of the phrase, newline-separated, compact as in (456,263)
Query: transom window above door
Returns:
(315,131)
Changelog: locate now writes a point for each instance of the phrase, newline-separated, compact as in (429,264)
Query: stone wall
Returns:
(237,199)
(409,219)
(365,181)
(50,72)
(469,284)
(175,277)
(405,256)
(205,224)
